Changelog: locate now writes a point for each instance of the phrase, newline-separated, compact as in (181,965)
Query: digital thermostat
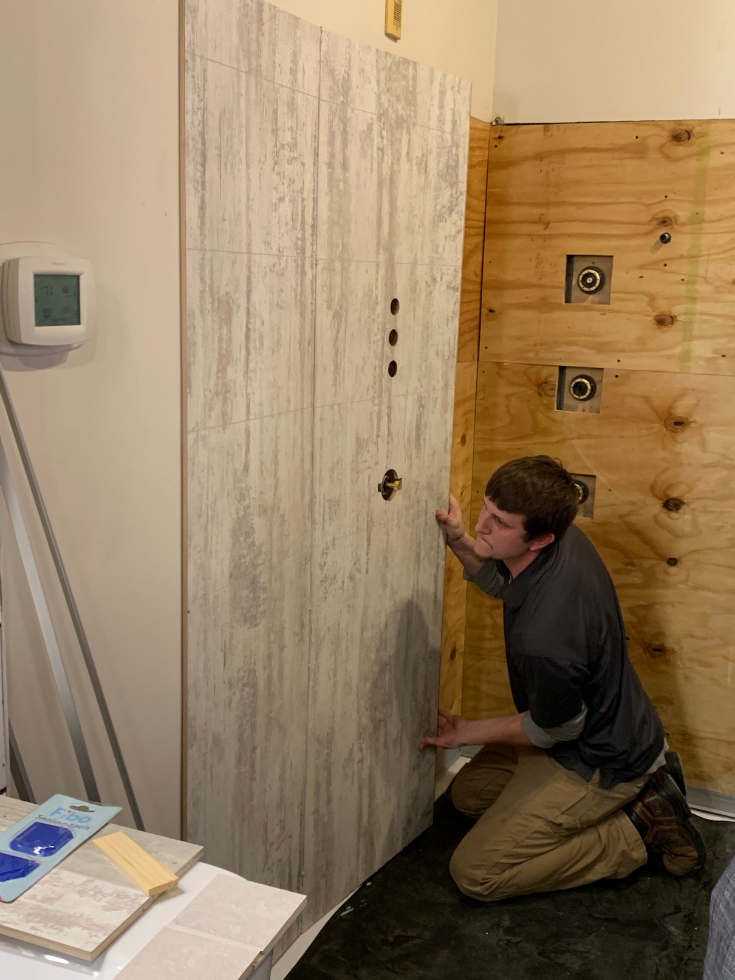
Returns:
(47,301)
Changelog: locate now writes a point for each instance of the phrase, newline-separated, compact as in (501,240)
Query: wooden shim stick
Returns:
(147,873)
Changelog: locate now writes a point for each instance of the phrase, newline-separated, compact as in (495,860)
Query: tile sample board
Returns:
(83,904)
(325,202)
(226,932)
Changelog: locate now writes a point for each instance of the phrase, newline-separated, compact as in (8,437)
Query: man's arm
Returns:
(484,574)
(457,538)
(521,729)
(455,731)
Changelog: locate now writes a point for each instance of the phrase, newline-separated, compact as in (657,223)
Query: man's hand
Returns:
(452,731)
(452,521)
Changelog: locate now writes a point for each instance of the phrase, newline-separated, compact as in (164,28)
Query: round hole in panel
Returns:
(394,306)
(392,369)
(393,338)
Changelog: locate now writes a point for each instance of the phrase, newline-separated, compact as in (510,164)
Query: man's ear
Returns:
(536,544)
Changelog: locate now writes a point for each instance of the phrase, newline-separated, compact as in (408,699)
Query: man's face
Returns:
(500,535)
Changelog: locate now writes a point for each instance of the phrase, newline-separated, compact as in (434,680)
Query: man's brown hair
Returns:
(538,488)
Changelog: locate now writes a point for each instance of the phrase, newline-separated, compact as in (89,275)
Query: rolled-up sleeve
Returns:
(544,738)
(489,578)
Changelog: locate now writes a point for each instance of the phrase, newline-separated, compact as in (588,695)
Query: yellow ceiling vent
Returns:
(393,17)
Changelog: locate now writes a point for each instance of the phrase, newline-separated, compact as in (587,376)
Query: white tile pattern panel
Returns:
(225,932)
(177,954)
(323,179)
(242,911)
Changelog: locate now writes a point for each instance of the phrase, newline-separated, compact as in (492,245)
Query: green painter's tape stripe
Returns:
(694,252)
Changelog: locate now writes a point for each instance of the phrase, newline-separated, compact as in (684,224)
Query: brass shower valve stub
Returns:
(582,489)
(579,389)
(390,485)
(591,280)
(588,279)
(586,485)
(583,387)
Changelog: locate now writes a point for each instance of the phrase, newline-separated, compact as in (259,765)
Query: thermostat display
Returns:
(56,300)
(47,301)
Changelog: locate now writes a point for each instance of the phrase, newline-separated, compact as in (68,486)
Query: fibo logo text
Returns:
(69,816)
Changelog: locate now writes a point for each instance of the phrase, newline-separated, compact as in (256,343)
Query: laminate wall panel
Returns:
(324,180)
(251,103)
(391,180)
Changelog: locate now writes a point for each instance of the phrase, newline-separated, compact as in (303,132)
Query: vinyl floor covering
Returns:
(409,921)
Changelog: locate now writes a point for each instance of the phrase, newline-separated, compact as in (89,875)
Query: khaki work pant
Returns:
(541,827)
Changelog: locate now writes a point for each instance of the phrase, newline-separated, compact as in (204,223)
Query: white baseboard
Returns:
(710,803)
(447,758)
(445,774)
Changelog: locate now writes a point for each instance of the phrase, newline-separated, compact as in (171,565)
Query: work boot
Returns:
(675,769)
(661,816)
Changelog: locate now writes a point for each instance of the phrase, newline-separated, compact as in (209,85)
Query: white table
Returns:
(21,961)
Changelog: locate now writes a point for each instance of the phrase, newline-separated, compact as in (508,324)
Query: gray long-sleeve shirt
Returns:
(568,663)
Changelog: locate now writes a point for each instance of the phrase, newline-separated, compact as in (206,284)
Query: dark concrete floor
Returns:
(410,922)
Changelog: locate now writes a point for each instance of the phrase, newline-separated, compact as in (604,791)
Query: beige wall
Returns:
(89,160)
(455,37)
(575,61)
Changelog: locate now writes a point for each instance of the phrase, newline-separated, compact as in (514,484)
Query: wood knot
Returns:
(664,320)
(547,389)
(657,651)
(676,423)
(452,653)
(681,135)
(665,221)
(674,504)
(672,561)
(463,439)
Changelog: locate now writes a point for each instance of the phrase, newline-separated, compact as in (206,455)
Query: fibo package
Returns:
(36,843)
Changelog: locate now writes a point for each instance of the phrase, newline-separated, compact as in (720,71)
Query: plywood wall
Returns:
(315,198)
(465,393)
(666,430)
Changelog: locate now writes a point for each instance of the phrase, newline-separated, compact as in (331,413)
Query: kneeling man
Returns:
(578,784)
